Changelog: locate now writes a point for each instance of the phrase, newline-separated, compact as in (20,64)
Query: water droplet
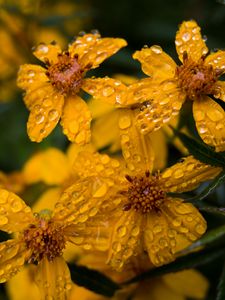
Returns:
(167,173)
(105,159)
(3,220)
(87,246)
(183,209)
(31,73)
(219,126)
(157,229)
(215,115)
(156,49)
(202,129)
(39,118)
(178,173)
(176,222)
(108,91)
(93,211)
(186,36)
(124,122)
(122,230)
(116,246)
(53,114)
(42,48)
(200,228)
(100,191)
(47,102)
(16,206)
(135,231)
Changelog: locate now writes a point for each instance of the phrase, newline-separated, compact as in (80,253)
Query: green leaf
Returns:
(201,151)
(210,188)
(221,286)
(186,262)
(212,210)
(93,280)
(210,237)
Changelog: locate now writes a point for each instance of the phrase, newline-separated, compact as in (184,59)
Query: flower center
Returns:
(66,75)
(196,78)
(144,193)
(44,239)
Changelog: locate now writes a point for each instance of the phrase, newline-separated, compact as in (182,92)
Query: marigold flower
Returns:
(143,216)
(196,80)
(41,238)
(52,92)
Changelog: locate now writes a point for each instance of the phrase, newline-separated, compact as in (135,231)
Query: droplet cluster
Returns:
(44,239)
(144,193)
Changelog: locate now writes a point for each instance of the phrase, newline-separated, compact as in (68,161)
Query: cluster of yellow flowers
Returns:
(118,211)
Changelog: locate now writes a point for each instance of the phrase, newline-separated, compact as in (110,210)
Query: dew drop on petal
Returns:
(3,220)
(53,114)
(100,191)
(16,206)
(116,246)
(43,48)
(122,230)
(124,122)
(156,49)
(39,118)
(200,229)
(186,36)
(108,91)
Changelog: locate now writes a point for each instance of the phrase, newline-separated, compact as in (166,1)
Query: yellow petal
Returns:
(93,50)
(50,166)
(83,199)
(15,215)
(187,175)
(47,52)
(174,228)
(94,164)
(216,60)
(105,130)
(156,63)
(99,108)
(165,103)
(189,40)
(157,241)
(160,149)
(31,77)
(45,114)
(137,149)
(189,283)
(13,255)
(53,279)
(109,90)
(125,239)
(76,120)
(210,122)
(185,223)
(47,199)
(22,286)
(73,151)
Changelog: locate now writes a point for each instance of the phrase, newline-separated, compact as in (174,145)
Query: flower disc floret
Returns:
(66,74)
(196,78)
(144,193)
(44,239)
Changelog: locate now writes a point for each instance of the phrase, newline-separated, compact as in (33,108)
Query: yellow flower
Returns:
(195,79)
(52,92)
(143,216)
(41,238)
